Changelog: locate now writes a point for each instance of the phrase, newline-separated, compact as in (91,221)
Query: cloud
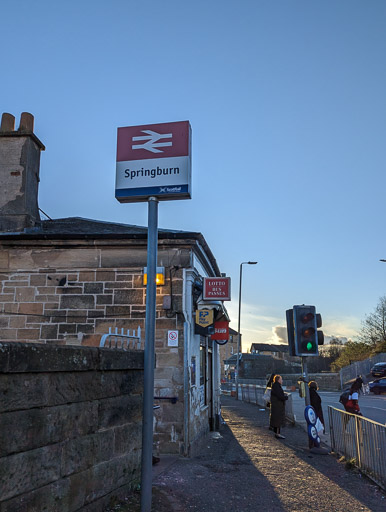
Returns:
(279,335)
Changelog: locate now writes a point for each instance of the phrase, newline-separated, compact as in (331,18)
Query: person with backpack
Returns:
(351,403)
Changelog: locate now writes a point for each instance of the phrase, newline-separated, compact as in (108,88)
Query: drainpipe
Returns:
(186,308)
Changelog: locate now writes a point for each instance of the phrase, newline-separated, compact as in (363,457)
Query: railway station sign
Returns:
(153,160)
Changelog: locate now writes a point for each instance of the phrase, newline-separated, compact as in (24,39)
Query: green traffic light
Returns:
(309,346)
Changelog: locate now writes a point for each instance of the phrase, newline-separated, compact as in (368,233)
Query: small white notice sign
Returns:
(172,338)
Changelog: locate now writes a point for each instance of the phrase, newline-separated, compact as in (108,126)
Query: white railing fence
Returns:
(121,339)
(361,439)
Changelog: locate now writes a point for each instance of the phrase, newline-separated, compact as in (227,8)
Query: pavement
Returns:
(244,467)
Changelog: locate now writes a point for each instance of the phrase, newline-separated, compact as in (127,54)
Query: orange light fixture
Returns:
(159,277)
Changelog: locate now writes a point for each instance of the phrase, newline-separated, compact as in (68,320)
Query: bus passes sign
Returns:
(153,160)
(217,288)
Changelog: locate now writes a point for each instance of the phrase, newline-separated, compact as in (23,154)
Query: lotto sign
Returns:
(153,160)
(172,338)
(217,288)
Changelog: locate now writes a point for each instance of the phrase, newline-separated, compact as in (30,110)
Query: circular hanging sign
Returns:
(221,342)
(310,415)
(312,432)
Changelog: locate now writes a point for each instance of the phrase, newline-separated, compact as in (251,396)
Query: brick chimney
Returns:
(19,173)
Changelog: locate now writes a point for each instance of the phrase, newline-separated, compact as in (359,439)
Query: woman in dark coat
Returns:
(278,398)
(316,401)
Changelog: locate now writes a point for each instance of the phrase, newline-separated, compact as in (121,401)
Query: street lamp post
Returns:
(238,328)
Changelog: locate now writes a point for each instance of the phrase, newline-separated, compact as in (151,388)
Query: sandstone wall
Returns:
(72,292)
(70,427)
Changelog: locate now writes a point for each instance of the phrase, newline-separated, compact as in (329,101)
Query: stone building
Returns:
(67,281)
(226,351)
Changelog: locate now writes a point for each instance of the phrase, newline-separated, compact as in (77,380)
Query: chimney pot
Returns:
(26,122)
(7,122)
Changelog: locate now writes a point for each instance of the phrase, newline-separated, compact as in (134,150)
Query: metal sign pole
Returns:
(148,394)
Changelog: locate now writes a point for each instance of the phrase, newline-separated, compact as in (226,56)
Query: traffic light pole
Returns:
(305,380)
(314,449)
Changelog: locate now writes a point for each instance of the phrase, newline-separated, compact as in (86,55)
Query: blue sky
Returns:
(287,102)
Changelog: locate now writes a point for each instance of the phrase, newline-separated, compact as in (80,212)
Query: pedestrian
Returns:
(316,402)
(352,404)
(267,392)
(278,398)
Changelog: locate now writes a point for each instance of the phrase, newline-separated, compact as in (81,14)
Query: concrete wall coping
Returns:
(34,357)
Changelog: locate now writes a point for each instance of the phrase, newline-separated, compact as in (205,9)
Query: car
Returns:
(378,370)
(378,386)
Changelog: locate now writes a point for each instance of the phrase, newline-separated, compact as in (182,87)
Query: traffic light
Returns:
(302,329)
(307,337)
(290,332)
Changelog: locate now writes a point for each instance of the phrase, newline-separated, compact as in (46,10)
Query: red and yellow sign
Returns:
(221,332)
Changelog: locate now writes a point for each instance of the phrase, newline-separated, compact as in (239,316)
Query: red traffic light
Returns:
(307,318)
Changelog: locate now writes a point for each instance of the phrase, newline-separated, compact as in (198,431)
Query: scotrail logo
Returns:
(169,190)
(152,139)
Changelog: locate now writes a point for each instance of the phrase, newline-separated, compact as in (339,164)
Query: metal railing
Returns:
(361,439)
(254,394)
(228,387)
(121,339)
(351,372)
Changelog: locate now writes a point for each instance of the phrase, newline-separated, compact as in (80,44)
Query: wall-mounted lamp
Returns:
(159,278)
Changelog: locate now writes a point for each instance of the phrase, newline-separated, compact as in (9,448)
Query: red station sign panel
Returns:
(217,288)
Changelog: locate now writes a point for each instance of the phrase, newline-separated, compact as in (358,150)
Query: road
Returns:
(372,406)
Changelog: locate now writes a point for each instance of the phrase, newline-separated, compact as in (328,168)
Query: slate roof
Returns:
(79,228)
(79,225)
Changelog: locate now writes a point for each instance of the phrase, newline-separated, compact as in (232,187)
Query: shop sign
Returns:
(221,332)
(217,288)
(204,317)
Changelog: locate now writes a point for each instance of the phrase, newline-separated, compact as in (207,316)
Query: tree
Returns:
(332,350)
(371,338)
(373,331)
(352,351)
